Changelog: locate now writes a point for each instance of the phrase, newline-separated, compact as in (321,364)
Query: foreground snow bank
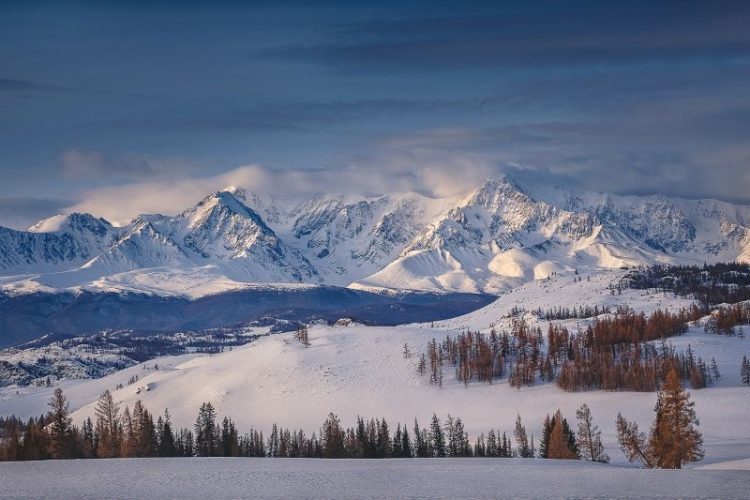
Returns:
(427,478)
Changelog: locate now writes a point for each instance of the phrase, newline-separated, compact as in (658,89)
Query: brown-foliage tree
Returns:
(675,440)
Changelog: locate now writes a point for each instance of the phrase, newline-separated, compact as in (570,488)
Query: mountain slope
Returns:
(62,242)
(355,369)
(498,236)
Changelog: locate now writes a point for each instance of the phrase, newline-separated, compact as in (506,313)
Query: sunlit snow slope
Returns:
(357,369)
(499,235)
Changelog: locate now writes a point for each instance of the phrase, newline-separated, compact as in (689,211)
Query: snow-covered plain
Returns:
(396,478)
(358,370)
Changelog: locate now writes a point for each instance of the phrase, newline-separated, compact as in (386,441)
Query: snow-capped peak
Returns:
(72,222)
(500,234)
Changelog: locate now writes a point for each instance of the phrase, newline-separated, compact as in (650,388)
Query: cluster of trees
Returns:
(561,313)
(303,335)
(709,284)
(673,440)
(485,358)
(725,320)
(629,327)
(612,353)
(629,367)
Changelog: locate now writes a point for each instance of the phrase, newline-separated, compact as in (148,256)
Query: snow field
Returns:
(395,478)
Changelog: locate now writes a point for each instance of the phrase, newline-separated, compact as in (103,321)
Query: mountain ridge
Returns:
(497,236)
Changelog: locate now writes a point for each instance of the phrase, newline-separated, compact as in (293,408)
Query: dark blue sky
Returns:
(112,100)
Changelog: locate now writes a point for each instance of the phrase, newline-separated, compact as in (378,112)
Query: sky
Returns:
(123,107)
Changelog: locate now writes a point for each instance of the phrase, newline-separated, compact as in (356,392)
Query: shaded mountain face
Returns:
(62,242)
(498,236)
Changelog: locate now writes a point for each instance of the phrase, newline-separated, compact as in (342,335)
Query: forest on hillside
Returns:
(118,433)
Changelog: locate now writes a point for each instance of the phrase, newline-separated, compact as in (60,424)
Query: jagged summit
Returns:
(497,236)
(74,221)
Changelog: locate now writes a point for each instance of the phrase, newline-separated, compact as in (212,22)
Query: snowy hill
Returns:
(354,369)
(500,235)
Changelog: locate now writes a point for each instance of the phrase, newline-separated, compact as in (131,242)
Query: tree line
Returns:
(612,353)
(721,283)
(674,439)
(728,320)
(561,313)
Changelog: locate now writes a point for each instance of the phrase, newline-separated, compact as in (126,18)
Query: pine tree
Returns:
(61,426)
(589,437)
(166,437)
(451,438)
(108,427)
(745,371)
(525,450)
(332,438)
(436,437)
(406,444)
(206,432)
(420,443)
(559,445)
(674,439)
(633,442)
(544,441)
(89,442)
(397,442)
(715,369)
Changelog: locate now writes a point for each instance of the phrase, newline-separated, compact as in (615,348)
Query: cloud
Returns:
(556,35)
(304,116)
(81,164)
(439,177)
(26,87)
(20,212)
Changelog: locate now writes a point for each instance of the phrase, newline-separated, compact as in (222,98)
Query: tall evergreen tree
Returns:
(332,438)
(206,433)
(166,437)
(524,448)
(61,426)
(108,426)
(633,442)
(675,440)
(559,444)
(89,441)
(437,437)
(589,437)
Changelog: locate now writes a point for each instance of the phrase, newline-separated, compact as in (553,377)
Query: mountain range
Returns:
(499,235)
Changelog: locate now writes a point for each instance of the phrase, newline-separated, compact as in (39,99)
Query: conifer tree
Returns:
(61,426)
(437,437)
(675,440)
(745,371)
(524,449)
(546,432)
(589,437)
(396,446)
(406,450)
(420,443)
(108,427)
(633,442)
(715,369)
(206,432)
(332,438)
(559,445)
(166,437)
(89,441)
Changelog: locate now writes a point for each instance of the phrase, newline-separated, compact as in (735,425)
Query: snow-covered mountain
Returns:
(500,235)
(61,242)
